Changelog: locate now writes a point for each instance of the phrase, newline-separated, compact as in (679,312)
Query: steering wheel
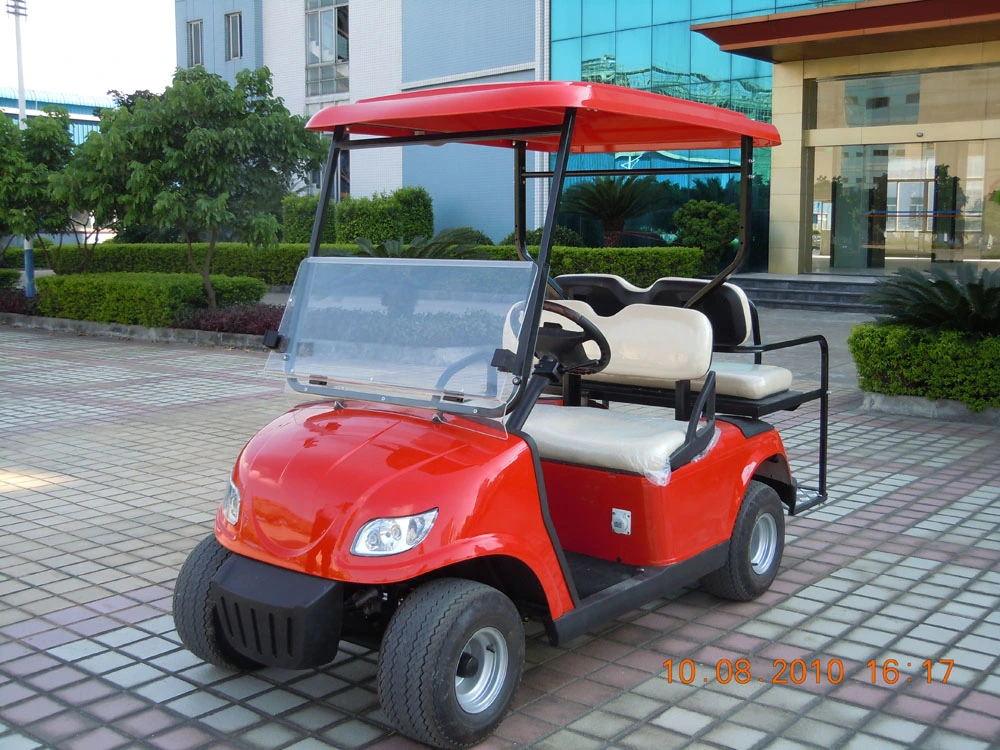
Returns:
(567,346)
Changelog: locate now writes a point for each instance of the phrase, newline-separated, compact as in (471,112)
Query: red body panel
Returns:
(314,476)
(694,511)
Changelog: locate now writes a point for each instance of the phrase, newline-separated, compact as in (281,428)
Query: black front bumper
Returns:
(277,617)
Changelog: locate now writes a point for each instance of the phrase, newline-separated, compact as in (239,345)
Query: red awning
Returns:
(609,118)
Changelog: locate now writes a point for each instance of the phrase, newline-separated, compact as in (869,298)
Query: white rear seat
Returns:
(739,379)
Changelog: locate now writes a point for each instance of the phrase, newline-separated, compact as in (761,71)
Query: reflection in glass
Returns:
(598,58)
(565,19)
(631,14)
(899,204)
(948,95)
(566,60)
(598,16)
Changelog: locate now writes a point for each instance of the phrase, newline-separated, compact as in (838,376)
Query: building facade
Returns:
(328,52)
(81,109)
(889,114)
(888,109)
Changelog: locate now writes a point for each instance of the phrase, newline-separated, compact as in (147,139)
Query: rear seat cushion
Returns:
(743,380)
(610,439)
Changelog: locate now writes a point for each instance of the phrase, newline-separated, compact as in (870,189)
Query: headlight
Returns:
(231,505)
(390,536)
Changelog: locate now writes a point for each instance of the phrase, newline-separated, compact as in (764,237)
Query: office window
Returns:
(234,36)
(196,54)
(327,48)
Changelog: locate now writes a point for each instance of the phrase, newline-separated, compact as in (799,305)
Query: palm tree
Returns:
(611,200)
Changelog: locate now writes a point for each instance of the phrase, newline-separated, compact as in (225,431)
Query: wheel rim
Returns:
(763,543)
(482,670)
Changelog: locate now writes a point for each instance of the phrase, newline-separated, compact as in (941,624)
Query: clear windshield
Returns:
(421,332)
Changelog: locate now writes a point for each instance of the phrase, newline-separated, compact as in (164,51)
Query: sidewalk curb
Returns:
(134,332)
(917,406)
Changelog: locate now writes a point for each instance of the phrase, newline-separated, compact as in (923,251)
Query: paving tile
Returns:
(681,720)
(901,565)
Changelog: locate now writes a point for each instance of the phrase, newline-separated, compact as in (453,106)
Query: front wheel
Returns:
(755,547)
(195,618)
(450,662)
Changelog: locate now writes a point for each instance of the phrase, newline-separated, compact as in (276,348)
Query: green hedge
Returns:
(904,361)
(297,213)
(277,266)
(9,278)
(148,299)
(640,265)
(402,215)
(274,266)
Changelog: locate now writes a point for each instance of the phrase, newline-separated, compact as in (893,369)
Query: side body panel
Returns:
(693,512)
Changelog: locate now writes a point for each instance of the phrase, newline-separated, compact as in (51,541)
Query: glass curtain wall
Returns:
(888,205)
(649,45)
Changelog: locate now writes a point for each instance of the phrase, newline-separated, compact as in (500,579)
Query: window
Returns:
(234,36)
(327,49)
(195,48)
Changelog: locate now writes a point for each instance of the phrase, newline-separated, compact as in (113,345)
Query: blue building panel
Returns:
(464,36)
(471,185)
(212,14)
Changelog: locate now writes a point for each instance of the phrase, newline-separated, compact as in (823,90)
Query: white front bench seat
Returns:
(648,343)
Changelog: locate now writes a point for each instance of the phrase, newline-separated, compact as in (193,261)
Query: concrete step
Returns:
(808,292)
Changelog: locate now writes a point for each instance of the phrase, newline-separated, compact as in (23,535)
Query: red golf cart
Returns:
(472,456)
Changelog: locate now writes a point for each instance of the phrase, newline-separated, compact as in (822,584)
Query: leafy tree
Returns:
(205,158)
(611,200)
(128,101)
(30,160)
(708,225)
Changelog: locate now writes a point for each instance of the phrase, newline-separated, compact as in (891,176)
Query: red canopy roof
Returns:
(609,118)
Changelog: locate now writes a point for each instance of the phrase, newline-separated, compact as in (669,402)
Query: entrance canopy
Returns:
(857,29)
(608,119)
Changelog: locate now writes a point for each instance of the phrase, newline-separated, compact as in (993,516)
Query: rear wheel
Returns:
(755,547)
(450,662)
(194,612)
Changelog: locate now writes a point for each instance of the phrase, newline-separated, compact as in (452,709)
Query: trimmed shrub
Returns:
(640,265)
(563,236)
(277,266)
(297,214)
(402,215)
(416,212)
(14,301)
(710,226)
(9,277)
(149,299)
(904,361)
(477,237)
(273,266)
(253,319)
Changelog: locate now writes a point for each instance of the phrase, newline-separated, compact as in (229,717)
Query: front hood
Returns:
(318,473)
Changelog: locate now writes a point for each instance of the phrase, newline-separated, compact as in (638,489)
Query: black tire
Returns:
(194,613)
(753,558)
(450,663)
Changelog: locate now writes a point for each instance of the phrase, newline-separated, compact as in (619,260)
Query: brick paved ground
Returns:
(114,455)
